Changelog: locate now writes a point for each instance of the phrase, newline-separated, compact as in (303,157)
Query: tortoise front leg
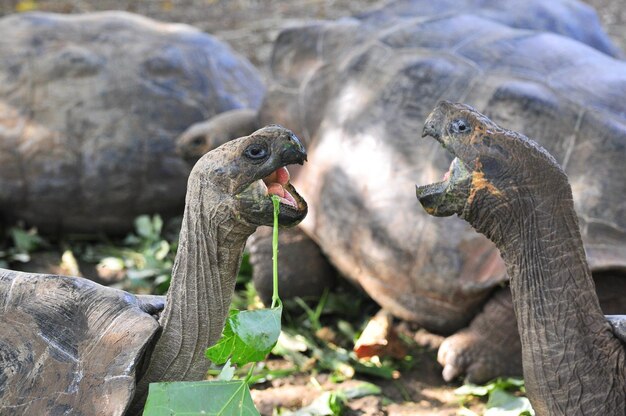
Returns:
(488,348)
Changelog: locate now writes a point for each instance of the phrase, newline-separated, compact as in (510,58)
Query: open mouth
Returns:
(277,183)
(447,196)
(457,171)
(256,199)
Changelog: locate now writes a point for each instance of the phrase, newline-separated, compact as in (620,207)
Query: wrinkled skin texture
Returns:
(366,85)
(70,343)
(90,106)
(515,193)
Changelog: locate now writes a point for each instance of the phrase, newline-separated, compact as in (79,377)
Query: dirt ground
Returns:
(250,26)
(419,391)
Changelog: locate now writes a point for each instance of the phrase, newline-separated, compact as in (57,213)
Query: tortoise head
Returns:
(244,173)
(207,135)
(196,141)
(493,166)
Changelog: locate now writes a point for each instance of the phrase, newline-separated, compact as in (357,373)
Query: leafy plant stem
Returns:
(249,376)
(275,298)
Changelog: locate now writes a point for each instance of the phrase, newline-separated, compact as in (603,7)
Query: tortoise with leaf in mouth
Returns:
(71,345)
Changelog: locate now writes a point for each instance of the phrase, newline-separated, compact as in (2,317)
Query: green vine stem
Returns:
(275,298)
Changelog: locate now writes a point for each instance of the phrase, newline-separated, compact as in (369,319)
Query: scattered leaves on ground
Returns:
(501,400)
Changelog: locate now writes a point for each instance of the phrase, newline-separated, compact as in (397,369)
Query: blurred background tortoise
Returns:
(362,87)
(90,106)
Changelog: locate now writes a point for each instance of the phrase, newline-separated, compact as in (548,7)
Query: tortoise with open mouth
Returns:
(514,192)
(69,344)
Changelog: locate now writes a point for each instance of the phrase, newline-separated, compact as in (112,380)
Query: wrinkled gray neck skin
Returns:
(203,280)
(573,365)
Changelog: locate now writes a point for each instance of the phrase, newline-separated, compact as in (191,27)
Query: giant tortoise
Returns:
(295,55)
(71,346)
(90,106)
(514,192)
(358,92)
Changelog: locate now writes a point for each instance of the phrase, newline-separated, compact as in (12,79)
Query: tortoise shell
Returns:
(90,106)
(363,88)
(59,333)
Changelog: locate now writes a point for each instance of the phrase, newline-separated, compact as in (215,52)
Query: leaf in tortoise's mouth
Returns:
(275,184)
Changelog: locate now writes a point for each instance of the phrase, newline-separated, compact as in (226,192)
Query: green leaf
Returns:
(223,398)
(472,389)
(497,384)
(143,226)
(382,371)
(245,270)
(157,225)
(288,342)
(508,383)
(361,390)
(337,402)
(163,248)
(248,336)
(328,404)
(21,257)
(25,241)
(227,373)
(501,403)
(132,239)
(141,274)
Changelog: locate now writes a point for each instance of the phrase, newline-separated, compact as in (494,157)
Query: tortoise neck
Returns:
(203,280)
(572,362)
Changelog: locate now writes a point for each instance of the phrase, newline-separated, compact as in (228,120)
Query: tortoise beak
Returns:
(432,126)
(294,152)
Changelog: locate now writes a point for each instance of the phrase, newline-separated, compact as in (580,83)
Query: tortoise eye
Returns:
(460,126)
(256,152)
(197,141)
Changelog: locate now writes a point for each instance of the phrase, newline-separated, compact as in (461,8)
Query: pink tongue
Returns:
(275,186)
(282,176)
(446,176)
(290,199)
(276,189)
(285,197)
